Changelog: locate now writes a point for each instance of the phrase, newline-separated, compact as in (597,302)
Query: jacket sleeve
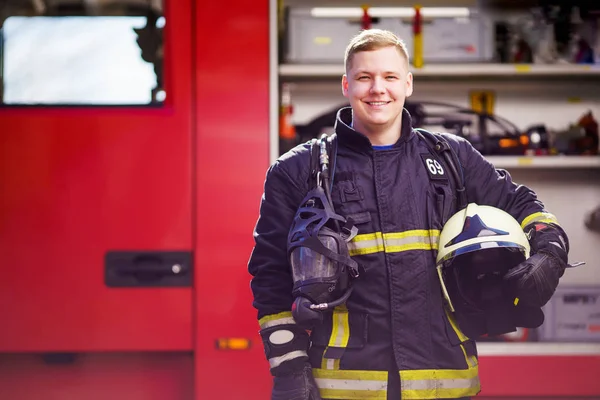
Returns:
(487,185)
(272,281)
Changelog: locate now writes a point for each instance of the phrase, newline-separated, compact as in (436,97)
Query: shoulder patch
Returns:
(434,167)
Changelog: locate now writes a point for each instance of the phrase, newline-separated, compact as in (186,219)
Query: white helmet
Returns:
(476,244)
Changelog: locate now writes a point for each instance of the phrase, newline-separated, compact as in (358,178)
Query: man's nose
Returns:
(378,86)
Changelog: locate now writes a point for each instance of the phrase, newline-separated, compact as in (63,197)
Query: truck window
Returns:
(81,60)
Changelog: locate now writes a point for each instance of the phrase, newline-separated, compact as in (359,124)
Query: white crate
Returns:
(572,315)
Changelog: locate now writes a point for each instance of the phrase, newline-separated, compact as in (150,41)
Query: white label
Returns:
(281,337)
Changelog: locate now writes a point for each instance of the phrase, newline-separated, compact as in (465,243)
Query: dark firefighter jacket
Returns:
(395,321)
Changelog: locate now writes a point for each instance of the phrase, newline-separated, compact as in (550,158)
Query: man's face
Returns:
(377,83)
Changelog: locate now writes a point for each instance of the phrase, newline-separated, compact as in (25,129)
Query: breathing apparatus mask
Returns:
(478,246)
(321,265)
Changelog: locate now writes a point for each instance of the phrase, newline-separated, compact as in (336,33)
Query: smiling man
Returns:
(389,334)
(377,81)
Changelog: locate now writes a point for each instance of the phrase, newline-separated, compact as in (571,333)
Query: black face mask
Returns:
(319,256)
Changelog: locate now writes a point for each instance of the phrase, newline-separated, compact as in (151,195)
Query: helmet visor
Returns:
(483,246)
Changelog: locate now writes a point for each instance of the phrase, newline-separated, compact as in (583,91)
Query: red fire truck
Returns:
(125,233)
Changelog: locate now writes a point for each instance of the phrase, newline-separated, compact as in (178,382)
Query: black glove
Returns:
(299,385)
(286,344)
(535,279)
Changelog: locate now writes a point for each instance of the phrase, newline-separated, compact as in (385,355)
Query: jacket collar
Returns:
(350,138)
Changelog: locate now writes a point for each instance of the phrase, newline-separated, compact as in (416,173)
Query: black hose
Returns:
(333,304)
(325,161)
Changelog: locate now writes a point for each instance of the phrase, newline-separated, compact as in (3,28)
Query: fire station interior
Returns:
(514,78)
(520,80)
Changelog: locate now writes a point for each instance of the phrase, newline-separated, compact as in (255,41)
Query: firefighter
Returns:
(392,336)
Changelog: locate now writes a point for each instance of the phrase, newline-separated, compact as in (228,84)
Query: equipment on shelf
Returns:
(489,134)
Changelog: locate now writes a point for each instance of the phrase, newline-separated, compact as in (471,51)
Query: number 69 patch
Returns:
(434,168)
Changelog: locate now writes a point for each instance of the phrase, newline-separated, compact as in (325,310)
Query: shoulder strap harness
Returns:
(324,151)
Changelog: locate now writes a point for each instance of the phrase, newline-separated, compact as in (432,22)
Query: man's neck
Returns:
(381,135)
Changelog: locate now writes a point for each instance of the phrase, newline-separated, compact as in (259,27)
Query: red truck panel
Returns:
(77,182)
(566,376)
(232,111)
(135,376)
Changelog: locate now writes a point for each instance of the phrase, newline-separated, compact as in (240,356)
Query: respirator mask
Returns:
(322,268)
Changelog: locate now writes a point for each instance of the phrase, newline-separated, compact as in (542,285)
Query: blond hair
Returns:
(373,39)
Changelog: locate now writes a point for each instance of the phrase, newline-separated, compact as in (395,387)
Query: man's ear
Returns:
(345,85)
(409,84)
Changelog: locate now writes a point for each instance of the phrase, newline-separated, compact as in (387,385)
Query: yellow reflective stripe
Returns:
(340,334)
(340,384)
(352,374)
(461,336)
(441,383)
(412,233)
(276,319)
(412,246)
(539,217)
(418,384)
(441,392)
(470,359)
(419,239)
(341,328)
(395,242)
(364,237)
(444,289)
(433,374)
(367,243)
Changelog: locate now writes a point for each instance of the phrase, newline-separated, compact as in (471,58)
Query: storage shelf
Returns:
(559,162)
(470,71)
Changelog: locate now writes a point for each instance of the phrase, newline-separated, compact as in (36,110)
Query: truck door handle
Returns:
(148,268)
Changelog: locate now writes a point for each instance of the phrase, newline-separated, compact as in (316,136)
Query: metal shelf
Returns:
(463,71)
(538,349)
(548,162)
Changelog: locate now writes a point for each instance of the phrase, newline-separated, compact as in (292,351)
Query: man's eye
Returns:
(391,77)
(362,78)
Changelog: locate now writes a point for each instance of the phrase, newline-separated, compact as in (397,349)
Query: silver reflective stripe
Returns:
(276,361)
(280,321)
(330,363)
(341,329)
(472,361)
(421,240)
(349,384)
(366,244)
(431,384)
